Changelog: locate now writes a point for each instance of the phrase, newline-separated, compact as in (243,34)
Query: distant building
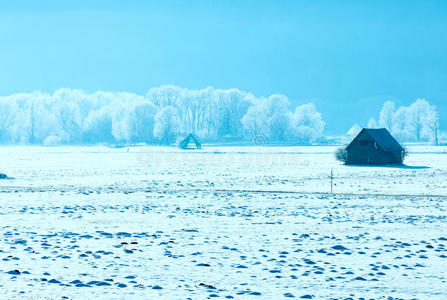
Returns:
(374,147)
(191,141)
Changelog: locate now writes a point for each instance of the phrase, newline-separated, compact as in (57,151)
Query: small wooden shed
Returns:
(191,141)
(374,147)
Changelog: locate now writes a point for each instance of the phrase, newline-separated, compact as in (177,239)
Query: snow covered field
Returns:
(242,222)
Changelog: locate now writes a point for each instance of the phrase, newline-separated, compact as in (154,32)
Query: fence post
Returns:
(332,180)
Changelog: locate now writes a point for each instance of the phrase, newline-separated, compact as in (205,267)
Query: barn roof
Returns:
(384,139)
(190,137)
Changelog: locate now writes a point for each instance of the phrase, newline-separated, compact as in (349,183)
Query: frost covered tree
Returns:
(166,124)
(386,115)
(98,127)
(8,115)
(140,122)
(74,116)
(269,117)
(120,132)
(401,124)
(165,95)
(36,118)
(227,111)
(67,122)
(277,114)
(416,122)
(31,118)
(307,123)
(254,121)
(431,126)
(418,113)
(195,103)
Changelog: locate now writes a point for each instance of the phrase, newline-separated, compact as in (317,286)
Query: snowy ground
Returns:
(242,222)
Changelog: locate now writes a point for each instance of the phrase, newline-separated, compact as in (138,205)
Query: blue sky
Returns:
(346,56)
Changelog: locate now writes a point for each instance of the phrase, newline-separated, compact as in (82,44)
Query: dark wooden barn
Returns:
(191,141)
(374,147)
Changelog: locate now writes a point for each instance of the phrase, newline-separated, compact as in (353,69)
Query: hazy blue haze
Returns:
(346,56)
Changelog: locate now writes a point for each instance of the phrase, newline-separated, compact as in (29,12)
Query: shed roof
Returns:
(190,137)
(384,139)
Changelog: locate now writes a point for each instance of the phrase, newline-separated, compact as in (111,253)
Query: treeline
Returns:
(414,123)
(74,117)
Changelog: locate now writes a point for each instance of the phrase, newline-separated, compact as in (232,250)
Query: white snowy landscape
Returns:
(228,222)
(201,149)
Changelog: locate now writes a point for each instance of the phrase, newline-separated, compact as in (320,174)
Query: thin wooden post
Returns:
(332,180)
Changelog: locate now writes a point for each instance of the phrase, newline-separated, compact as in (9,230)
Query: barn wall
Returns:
(365,155)
(364,151)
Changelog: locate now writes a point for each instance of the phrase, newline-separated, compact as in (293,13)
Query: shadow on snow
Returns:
(392,166)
